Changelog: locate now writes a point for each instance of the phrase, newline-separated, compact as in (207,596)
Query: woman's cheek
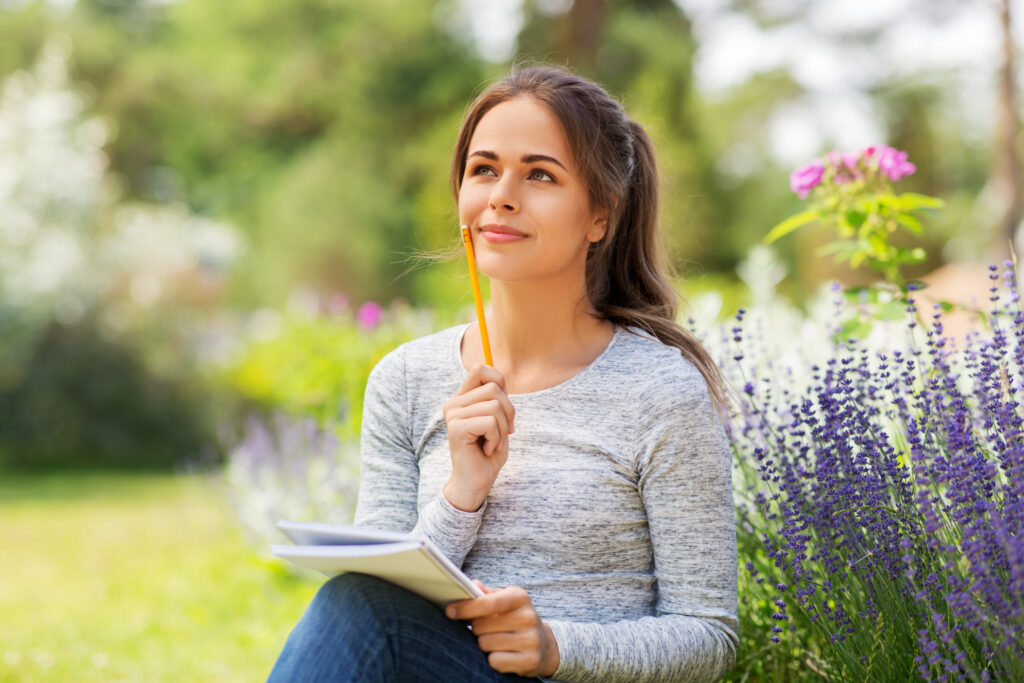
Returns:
(470,205)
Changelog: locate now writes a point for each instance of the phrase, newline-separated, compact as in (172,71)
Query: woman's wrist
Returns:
(462,499)
(550,658)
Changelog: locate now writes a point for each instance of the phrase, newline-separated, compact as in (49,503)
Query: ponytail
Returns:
(626,278)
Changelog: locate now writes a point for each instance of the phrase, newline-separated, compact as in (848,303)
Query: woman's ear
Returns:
(600,226)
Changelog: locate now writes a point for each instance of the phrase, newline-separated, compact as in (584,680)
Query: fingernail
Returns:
(450,611)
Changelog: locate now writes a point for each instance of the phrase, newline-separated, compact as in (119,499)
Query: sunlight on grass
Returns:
(135,578)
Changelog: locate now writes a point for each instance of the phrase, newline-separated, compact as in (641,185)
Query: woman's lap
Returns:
(359,628)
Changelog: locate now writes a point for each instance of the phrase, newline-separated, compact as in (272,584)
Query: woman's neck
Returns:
(540,334)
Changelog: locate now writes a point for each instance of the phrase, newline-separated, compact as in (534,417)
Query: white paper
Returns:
(408,561)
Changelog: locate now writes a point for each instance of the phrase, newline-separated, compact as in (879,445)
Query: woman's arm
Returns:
(389,480)
(389,474)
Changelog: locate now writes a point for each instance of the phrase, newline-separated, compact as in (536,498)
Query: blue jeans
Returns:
(359,628)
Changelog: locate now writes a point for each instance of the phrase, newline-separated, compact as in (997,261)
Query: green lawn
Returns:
(135,578)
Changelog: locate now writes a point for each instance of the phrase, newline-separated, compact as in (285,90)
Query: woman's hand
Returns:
(509,629)
(480,417)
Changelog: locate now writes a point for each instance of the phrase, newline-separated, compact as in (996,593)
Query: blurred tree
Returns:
(923,114)
(643,51)
(82,279)
(85,400)
(304,123)
(323,127)
(23,30)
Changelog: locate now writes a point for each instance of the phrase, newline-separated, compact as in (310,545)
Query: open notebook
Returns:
(412,562)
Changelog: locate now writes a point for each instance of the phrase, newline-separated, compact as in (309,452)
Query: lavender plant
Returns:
(880,506)
(291,468)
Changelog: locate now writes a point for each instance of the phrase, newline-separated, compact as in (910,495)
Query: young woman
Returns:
(584,480)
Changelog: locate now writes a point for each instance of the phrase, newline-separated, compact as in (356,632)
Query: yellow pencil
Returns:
(467,239)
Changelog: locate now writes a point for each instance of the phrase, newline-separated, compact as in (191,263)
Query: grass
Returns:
(135,578)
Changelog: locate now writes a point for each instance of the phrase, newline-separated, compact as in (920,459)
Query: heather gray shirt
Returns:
(614,510)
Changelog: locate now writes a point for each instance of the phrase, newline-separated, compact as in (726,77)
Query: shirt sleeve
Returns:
(684,467)
(389,476)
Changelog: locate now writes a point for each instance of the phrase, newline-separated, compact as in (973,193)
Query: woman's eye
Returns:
(538,172)
(479,169)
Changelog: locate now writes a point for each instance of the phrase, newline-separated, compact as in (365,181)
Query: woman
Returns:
(586,474)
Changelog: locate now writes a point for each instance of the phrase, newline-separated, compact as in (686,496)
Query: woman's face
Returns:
(523,198)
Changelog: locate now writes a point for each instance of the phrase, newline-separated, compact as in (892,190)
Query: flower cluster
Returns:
(841,168)
(853,193)
(881,506)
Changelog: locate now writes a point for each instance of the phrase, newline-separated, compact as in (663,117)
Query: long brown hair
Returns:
(625,271)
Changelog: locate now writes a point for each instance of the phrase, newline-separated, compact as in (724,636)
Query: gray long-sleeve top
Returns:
(614,510)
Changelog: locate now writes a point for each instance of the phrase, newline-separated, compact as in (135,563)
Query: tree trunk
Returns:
(1006,168)
(582,31)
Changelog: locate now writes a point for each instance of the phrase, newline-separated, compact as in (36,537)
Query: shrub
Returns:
(82,400)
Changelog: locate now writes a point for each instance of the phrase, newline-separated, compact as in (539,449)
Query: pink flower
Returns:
(893,163)
(368,315)
(806,177)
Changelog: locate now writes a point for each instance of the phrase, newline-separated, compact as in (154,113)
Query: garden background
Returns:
(212,221)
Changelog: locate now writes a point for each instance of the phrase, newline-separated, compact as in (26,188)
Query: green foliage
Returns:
(83,400)
(318,366)
(22,32)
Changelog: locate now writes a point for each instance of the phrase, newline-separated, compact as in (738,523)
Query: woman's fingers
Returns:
(481,374)
(479,419)
(524,617)
(521,663)
(496,602)
(468,430)
(508,628)
(508,641)
(490,391)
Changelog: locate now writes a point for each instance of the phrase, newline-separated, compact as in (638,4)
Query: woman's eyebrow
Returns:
(527,159)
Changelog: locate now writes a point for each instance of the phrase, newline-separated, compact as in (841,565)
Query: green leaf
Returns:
(910,222)
(857,258)
(915,255)
(854,218)
(844,247)
(878,245)
(857,295)
(854,328)
(911,201)
(792,223)
(893,310)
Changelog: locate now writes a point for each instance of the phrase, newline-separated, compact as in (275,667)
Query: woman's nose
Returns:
(503,195)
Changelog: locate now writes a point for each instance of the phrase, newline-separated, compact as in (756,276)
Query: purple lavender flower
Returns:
(806,177)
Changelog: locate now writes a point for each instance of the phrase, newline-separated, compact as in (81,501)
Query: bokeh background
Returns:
(213,217)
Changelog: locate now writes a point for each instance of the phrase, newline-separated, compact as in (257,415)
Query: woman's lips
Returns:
(495,232)
(501,235)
